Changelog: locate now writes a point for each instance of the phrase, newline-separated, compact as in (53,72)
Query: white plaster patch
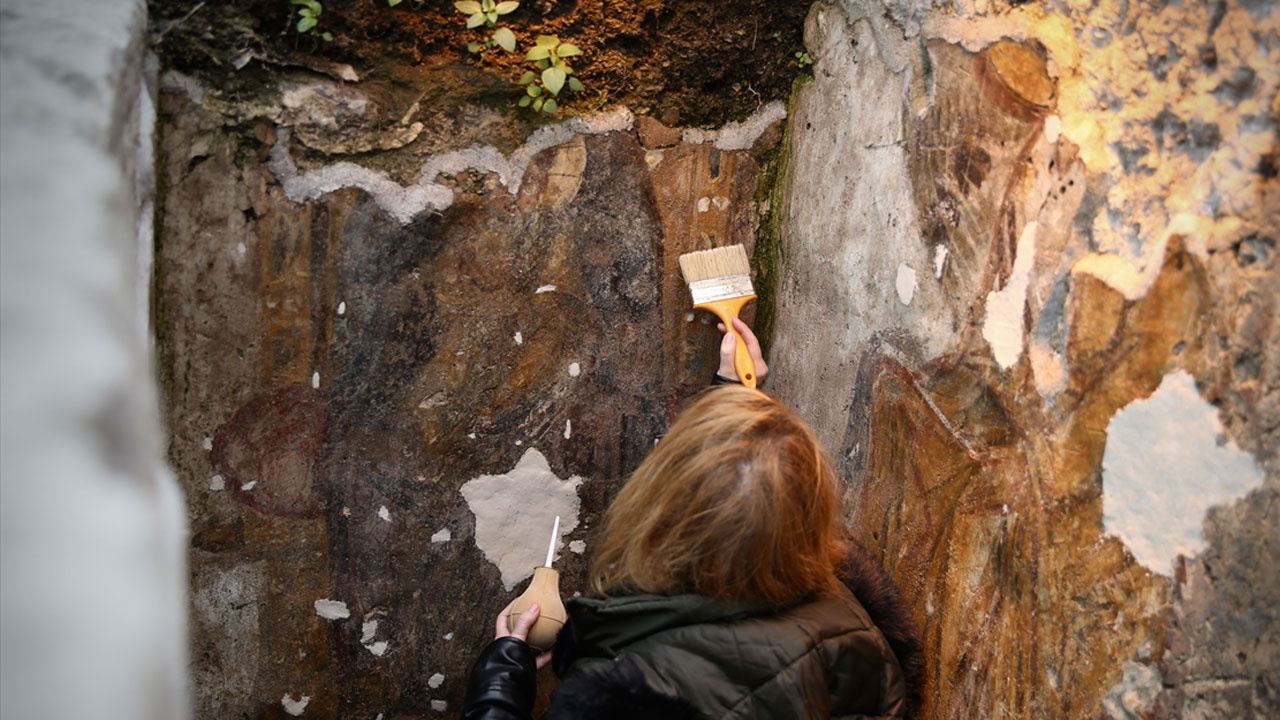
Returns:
(739,135)
(905,283)
(315,379)
(439,705)
(403,202)
(241,251)
(704,204)
(175,81)
(1003,328)
(1116,272)
(575,369)
(368,635)
(448,636)
(295,707)
(384,513)
(577,547)
(443,536)
(435,681)
(471,436)
(518,337)
(1164,466)
(342,308)
(1052,128)
(216,482)
(1048,368)
(514,510)
(568,429)
(249,485)
(653,158)
(939,259)
(332,609)
(544,289)
(207,443)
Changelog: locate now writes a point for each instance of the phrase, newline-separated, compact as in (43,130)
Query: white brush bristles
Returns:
(715,263)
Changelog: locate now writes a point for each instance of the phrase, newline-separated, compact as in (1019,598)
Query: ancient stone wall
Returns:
(1028,294)
(1019,270)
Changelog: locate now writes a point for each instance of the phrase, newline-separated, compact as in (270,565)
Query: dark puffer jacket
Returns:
(690,657)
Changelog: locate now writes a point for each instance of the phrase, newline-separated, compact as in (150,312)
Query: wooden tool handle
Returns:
(727,310)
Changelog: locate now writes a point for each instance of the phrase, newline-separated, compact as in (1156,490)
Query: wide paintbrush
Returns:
(720,281)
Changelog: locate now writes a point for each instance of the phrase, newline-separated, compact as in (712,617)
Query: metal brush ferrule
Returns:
(720,288)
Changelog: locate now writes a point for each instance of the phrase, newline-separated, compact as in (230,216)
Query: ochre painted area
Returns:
(1090,184)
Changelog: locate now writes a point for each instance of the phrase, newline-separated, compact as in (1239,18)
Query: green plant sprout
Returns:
(487,12)
(309,17)
(803,59)
(543,88)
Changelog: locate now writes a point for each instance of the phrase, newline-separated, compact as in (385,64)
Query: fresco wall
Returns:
(1018,267)
(383,383)
(1028,291)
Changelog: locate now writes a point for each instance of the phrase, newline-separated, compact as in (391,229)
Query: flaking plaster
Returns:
(515,512)
(1166,463)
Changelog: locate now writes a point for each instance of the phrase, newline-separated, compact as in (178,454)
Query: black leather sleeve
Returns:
(503,682)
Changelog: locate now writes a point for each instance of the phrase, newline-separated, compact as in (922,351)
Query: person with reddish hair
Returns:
(725,586)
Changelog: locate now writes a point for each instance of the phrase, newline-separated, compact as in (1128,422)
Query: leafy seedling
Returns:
(543,88)
(308,17)
(486,13)
(803,59)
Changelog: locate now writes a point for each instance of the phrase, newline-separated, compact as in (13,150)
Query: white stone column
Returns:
(92,528)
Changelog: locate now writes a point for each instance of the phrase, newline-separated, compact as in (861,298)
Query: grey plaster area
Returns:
(515,514)
(739,135)
(404,202)
(1168,461)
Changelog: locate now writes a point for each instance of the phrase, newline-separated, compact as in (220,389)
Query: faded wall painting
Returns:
(1017,266)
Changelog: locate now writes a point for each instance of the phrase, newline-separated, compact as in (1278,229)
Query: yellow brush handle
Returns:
(727,310)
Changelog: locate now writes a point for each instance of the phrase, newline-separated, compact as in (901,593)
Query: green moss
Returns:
(771,189)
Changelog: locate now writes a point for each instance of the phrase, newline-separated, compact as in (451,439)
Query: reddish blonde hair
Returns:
(738,501)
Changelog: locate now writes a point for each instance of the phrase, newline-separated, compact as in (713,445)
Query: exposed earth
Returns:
(691,62)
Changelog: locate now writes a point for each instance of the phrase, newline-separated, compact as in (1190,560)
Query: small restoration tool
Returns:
(544,590)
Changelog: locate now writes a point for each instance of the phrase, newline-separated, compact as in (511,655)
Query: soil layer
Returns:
(688,62)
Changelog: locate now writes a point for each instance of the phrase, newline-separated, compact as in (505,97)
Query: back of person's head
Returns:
(738,501)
